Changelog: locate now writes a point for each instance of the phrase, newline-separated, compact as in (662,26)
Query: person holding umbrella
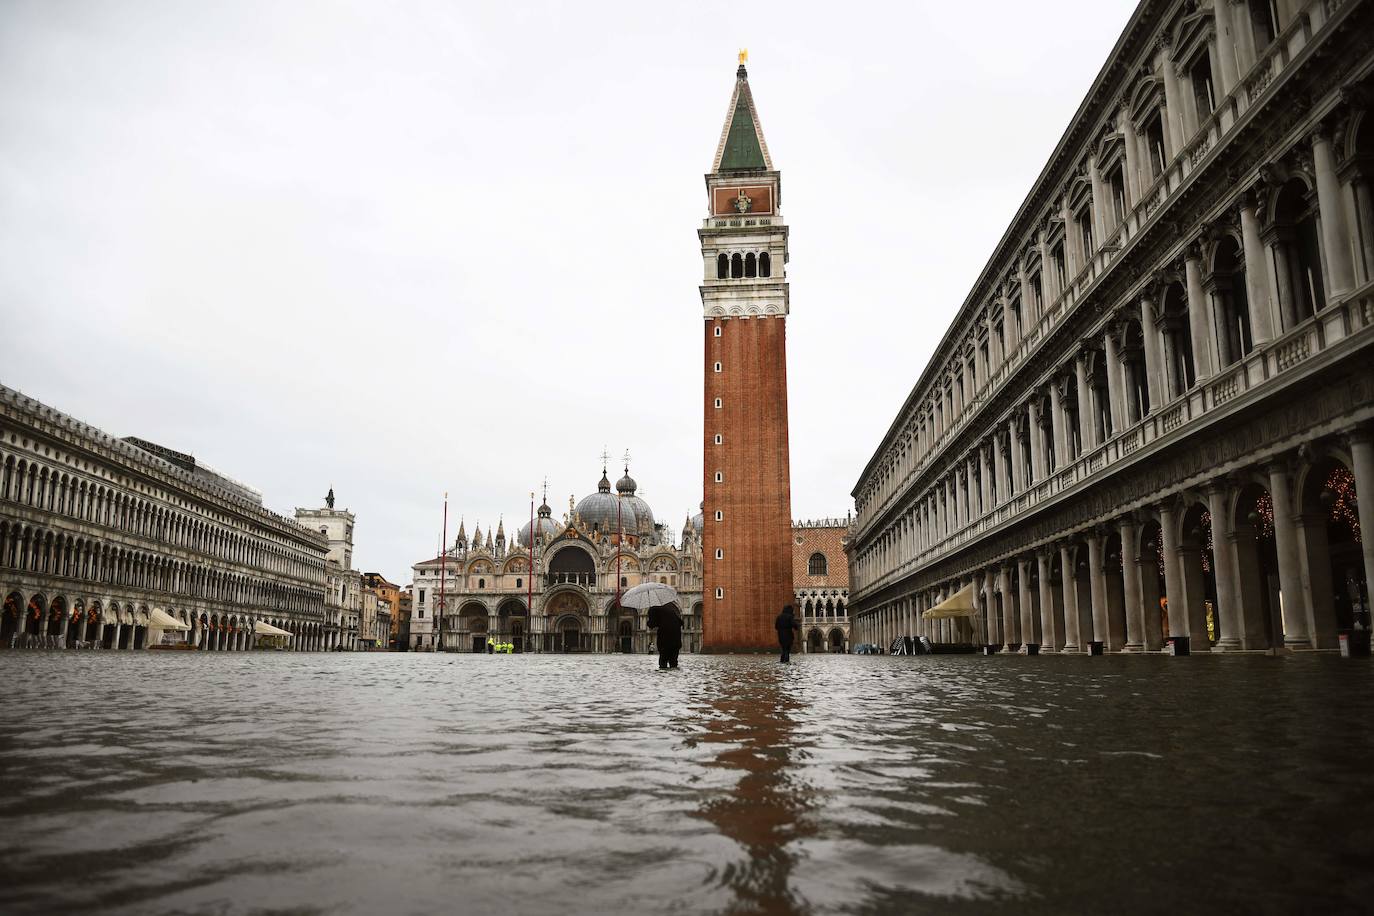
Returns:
(662,603)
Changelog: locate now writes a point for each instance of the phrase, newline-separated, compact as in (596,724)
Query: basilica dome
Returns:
(544,526)
(626,487)
(599,511)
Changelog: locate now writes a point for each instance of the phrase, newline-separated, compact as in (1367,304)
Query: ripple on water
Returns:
(138,782)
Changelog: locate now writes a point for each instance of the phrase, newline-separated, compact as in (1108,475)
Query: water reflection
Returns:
(132,783)
(764,811)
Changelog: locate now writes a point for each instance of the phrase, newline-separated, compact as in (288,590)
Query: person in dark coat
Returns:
(669,626)
(786,625)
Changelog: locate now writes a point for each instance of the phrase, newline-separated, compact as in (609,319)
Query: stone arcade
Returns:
(1150,418)
(102,539)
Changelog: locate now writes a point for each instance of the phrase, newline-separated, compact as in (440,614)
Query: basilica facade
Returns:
(1150,422)
(555,587)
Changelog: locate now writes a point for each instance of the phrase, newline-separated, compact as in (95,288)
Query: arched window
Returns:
(765,265)
(1297,253)
(1233,311)
(736,266)
(481,583)
(817,566)
(519,583)
(1178,340)
(722,266)
(751,267)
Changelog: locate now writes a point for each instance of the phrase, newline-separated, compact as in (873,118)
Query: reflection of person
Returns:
(787,626)
(669,637)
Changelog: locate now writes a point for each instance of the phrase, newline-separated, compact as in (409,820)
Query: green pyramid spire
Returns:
(742,150)
(742,146)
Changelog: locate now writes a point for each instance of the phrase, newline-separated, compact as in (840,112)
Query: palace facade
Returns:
(485,590)
(1151,417)
(120,543)
(820,582)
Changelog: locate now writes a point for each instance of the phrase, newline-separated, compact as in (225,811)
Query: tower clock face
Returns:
(733,201)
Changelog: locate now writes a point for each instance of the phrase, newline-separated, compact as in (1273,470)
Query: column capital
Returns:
(1361,433)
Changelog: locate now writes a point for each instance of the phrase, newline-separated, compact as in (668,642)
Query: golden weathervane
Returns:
(743,56)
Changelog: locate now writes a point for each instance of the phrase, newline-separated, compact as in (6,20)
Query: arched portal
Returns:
(837,640)
(11,619)
(567,610)
(1329,536)
(815,642)
(1153,594)
(473,619)
(1195,616)
(510,617)
(1257,568)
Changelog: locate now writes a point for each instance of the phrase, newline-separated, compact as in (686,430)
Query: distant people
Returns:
(787,626)
(669,626)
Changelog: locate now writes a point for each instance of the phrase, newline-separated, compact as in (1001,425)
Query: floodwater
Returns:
(139,782)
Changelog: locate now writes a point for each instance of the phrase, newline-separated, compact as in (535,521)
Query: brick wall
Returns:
(754,496)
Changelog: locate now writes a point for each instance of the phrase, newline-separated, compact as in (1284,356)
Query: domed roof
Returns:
(626,487)
(606,513)
(544,527)
(699,520)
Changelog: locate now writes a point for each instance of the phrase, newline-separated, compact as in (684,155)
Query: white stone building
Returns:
(1150,418)
(121,543)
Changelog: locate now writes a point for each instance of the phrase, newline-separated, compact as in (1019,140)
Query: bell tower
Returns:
(747,518)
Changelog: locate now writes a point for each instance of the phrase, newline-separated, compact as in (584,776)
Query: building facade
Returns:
(556,588)
(820,581)
(119,543)
(745,466)
(344,594)
(1151,416)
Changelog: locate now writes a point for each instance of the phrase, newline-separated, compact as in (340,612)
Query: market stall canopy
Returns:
(165,621)
(959,604)
(262,628)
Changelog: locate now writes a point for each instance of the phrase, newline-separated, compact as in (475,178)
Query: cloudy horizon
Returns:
(412,249)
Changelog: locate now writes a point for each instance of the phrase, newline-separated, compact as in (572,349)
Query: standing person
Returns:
(669,626)
(785,625)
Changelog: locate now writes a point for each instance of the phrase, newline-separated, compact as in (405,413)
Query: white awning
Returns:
(262,628)
(959,604)
(165,621)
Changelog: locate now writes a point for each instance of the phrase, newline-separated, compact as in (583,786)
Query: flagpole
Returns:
(529,594)
(443,575)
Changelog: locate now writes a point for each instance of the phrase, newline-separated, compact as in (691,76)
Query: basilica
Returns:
(556,587)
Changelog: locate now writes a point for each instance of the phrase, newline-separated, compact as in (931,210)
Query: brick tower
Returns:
(747,519)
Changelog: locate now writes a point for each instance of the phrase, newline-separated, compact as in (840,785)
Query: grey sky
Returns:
(403,248)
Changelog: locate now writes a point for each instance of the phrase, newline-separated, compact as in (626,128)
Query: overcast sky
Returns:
(406,248)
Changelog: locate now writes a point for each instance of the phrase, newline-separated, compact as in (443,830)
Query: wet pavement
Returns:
(380,783)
